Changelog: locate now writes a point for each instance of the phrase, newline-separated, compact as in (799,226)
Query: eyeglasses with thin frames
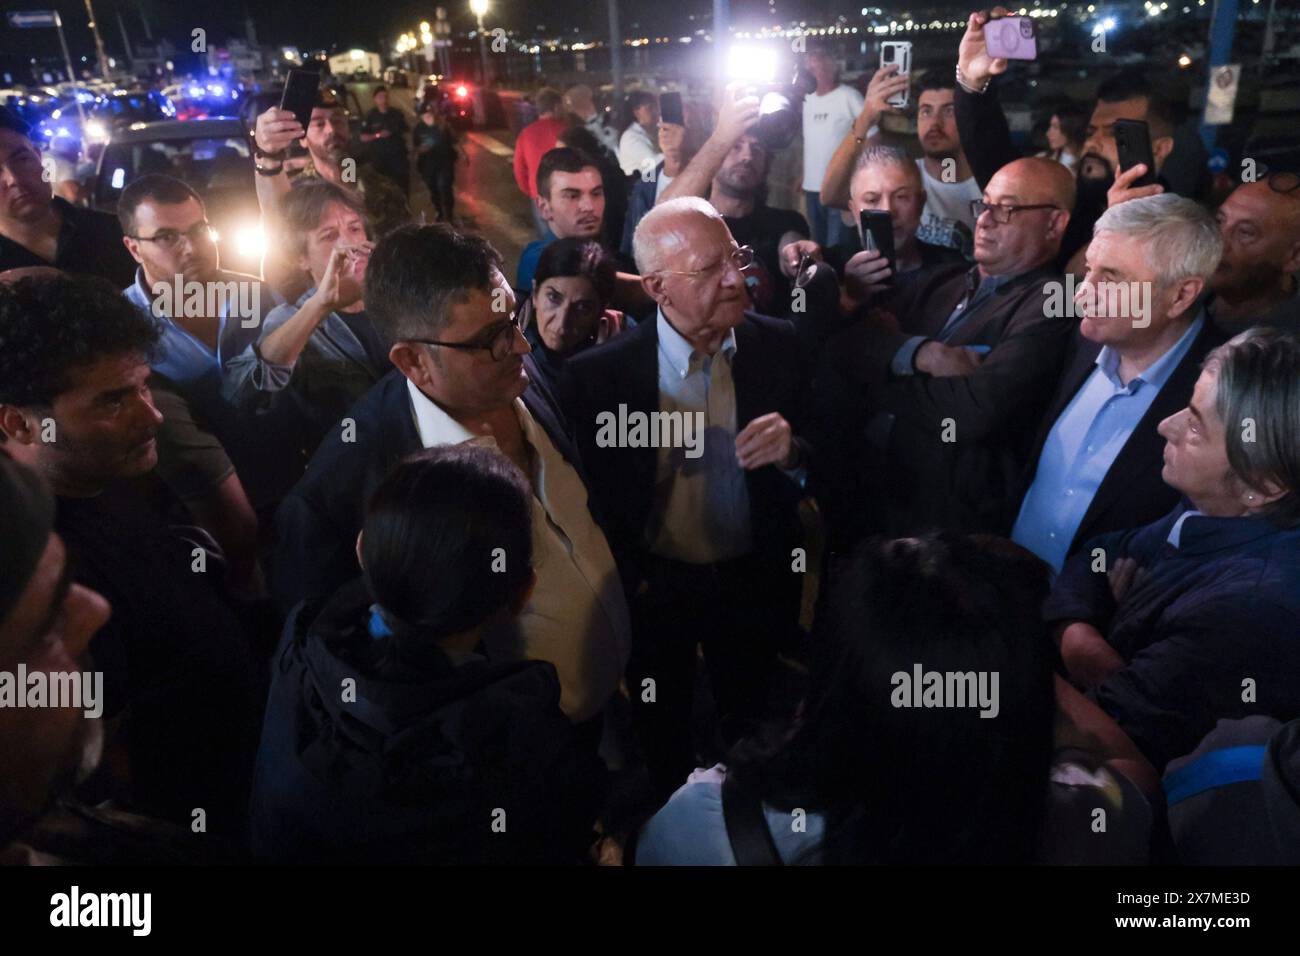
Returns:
(171,238)
(1002,213)
(742,257)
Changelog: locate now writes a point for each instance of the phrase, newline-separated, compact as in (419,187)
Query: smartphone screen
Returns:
(1133,144)
(300,94)
(878,233)
(670,108)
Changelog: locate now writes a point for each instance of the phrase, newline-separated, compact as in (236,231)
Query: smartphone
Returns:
(878,234)
(1133,143)
(897,53)
(1011,38)
(299,95)
(670,109)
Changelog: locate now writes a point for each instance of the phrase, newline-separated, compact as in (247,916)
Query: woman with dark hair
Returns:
(927,735)
(568,310)
(1065,135)
(389,737)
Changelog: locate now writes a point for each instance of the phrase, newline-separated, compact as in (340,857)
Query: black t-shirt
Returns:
(173,652)
(763,229)
(89,243)
(393,145)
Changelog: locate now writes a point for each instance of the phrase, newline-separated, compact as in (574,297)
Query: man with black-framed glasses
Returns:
(438,299)
(935,401)
(1255,283)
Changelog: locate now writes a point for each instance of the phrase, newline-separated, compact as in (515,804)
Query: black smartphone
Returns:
(878,234)
(299,95)
(1133,143)
(670,109)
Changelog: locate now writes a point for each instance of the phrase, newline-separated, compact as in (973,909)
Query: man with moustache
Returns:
(1255,283)
(730,170)
(38,228)
(178,676)
(1128,95)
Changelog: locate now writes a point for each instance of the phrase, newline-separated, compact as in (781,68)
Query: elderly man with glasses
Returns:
(463,373)
(1255,283)
(934,398)
(702,503)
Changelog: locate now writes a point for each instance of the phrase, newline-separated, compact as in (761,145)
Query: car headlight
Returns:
(250,241)
(96,132)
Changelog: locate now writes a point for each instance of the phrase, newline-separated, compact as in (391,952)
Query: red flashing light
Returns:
(462,91)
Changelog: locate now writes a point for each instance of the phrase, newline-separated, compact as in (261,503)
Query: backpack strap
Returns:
(751,840)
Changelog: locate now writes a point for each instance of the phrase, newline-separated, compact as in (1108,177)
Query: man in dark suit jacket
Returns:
(1137,354)
(463,374)
(930,406)
(704,520)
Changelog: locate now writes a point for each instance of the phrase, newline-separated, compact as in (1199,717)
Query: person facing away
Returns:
(431,753)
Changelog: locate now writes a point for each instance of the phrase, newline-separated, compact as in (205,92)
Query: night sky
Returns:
(341,24)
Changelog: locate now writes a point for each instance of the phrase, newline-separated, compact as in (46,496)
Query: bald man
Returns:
(1255,283)
(703,516)
(579,101)
(935,401)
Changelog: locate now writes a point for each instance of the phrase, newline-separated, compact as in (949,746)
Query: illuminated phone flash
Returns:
(752,64)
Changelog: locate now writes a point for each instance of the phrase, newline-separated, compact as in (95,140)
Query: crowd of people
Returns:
(721,536)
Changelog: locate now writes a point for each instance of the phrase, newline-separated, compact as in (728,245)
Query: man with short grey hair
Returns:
(705,522)
(1135,359)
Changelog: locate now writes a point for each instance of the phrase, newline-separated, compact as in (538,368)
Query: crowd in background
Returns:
(723,534)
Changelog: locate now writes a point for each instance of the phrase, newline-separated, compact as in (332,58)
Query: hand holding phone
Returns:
(878,233)
(1133,145)
(670,109)
(897,53)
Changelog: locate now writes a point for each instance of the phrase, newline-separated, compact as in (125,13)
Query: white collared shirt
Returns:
(577,617)
(701,505)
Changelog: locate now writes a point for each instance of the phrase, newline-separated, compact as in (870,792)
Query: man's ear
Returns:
(1185,296)
(653,285)
(405,356)
(1161,147)
(1291,264)
(16,426)
(1060,219)
(544,207)
(133,247)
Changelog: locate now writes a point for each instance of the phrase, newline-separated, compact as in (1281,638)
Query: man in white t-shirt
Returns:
(949,184)
(828,114)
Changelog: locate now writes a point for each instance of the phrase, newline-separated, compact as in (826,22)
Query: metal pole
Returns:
(72,76)
(616,57)
(482,52)
(126,42)
(1268,35)
(99,41)
(1223,28)
(721,36)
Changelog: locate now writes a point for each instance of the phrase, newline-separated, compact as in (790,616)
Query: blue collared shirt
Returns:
(1082,445)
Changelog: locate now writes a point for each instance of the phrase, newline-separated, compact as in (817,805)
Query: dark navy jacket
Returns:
(423,762)
(1221,609)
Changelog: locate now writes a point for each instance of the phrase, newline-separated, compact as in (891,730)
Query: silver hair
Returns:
(1258,399)
(647,241)
(1181,237)
(885,156)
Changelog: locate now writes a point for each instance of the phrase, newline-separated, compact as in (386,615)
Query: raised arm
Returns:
(835,184)
(981,125)
(738,114)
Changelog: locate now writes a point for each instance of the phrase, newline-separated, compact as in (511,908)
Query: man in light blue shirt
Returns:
(1148,263)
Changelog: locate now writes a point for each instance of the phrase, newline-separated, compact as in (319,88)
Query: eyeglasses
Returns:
(171,238)
(742,257)
(1280,182)
(1002,214)
(498,339)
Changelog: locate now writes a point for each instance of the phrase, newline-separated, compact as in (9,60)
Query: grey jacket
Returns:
(332,372)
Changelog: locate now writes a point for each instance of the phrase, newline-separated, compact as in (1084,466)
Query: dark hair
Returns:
(448,540)
(562,159)
(582,258)
(1164,109)
(305,203)
(935,79)
(633,102)
(1073,121)
(379,89)
(919,785)
(13,122)
(581,139)
(417,272)
(52,326)
(167,190)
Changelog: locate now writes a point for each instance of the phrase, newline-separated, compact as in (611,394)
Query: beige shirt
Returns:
(577,617)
